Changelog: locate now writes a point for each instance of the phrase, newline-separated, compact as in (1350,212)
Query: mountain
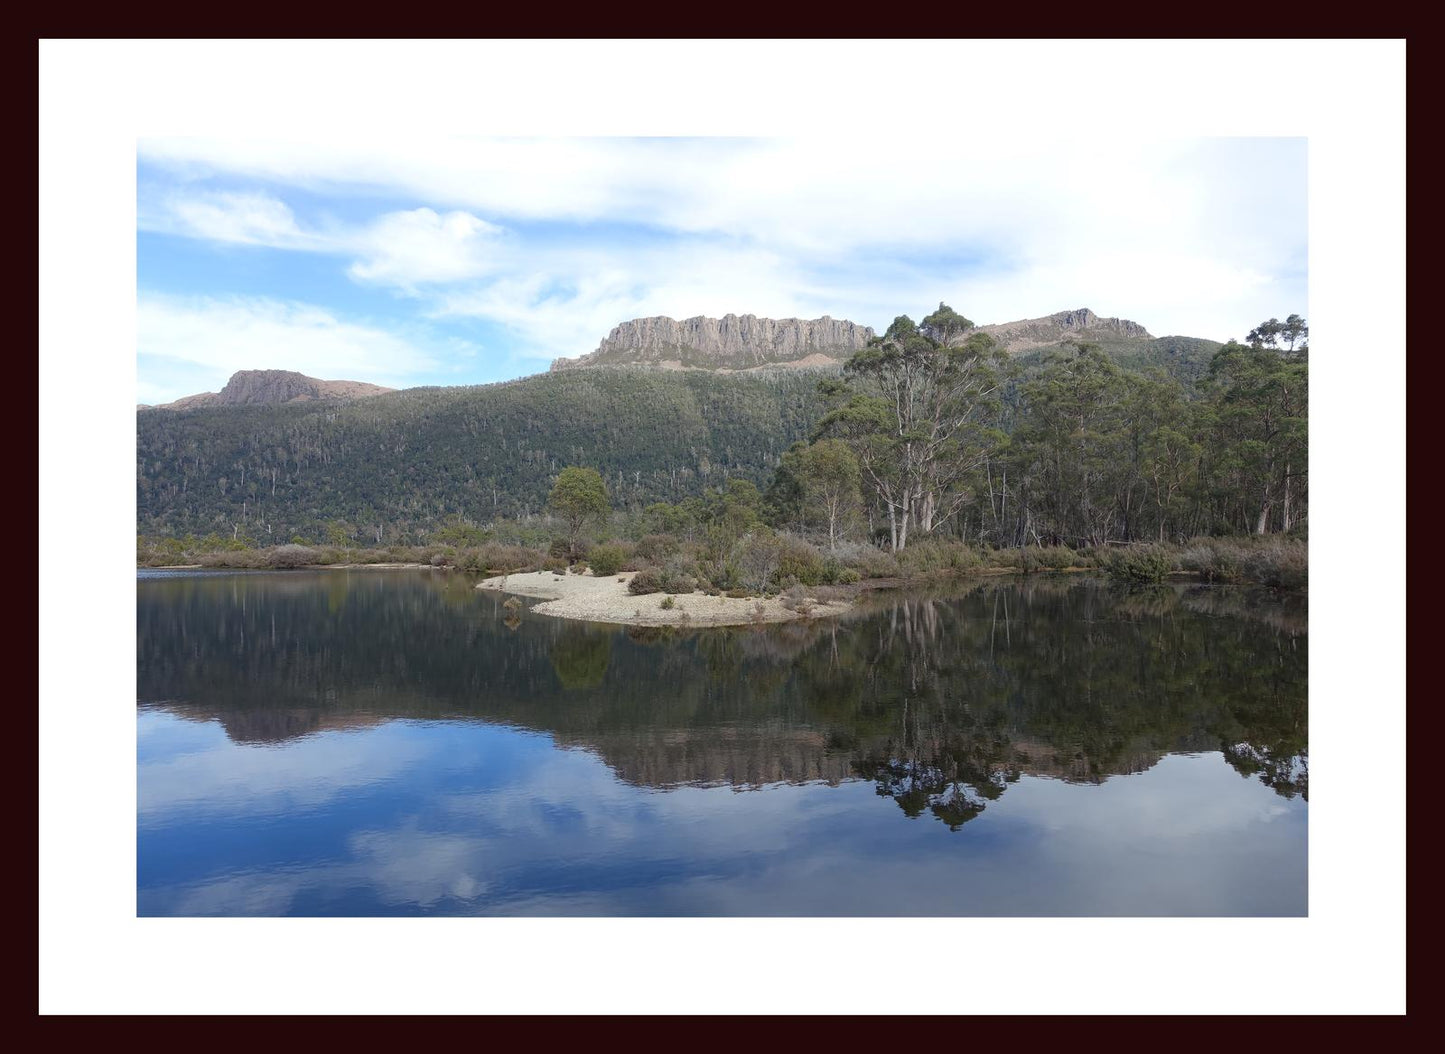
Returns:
(1030,341)
(730,343)
(277,454)
(270,387)
(407,460)
(1079,324)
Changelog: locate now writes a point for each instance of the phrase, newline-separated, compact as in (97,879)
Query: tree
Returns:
(828,475)
(1261,405)
(916,418)
(945,325)
(579,497)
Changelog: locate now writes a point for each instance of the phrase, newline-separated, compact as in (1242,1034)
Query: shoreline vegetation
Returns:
(663,580)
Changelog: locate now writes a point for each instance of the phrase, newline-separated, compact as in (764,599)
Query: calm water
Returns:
(394,743)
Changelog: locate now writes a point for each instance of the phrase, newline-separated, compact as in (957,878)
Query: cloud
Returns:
(240,218)
(403,249)
(407,249)
(558,240)
(209,338)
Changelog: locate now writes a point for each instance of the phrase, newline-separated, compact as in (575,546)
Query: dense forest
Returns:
(393,468)
(929,433)
(946,435)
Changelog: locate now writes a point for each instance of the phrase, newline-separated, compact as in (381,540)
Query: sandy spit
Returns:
(606,599)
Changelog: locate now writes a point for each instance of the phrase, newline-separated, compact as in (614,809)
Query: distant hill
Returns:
(730,343)
(1030,341)
(407,460)
(1079,324)
(270,387)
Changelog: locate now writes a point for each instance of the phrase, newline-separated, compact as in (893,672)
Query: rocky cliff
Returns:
(733,342)
(250,387)
(1079,324)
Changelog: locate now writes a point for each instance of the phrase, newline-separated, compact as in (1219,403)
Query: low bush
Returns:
(1055,557)
(607,559)
(799,562)
(291,556)
(1212,560)
(668,603)
(868,561)
(1283,564)
(644,582)
(657,547)
(1140,563)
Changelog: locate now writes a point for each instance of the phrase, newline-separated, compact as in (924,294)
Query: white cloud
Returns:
(243,218)
(409,248)
(1197,237)
(208,339)
(402,249)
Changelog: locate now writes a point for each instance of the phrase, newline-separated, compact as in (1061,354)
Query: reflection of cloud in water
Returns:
(567,837)
(229,778)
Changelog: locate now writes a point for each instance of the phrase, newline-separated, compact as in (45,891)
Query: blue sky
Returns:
(469,260)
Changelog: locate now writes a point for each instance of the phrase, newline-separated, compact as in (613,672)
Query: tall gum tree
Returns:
(915,409)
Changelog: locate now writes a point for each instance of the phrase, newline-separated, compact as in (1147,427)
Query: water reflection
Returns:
(394,725)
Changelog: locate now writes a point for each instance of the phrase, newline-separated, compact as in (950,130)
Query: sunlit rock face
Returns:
(734,342)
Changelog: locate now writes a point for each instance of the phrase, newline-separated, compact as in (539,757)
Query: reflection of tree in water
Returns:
(939,700)
(580,658)
(1288,774)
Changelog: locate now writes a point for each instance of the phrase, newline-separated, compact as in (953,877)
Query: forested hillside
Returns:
(393,467)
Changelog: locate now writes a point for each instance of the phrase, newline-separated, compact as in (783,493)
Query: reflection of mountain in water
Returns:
(941,701)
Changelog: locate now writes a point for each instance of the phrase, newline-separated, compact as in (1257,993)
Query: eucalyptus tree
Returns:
(916,413)
(1260,393)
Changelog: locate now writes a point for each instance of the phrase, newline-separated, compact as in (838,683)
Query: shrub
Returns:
(1211,560)
(800,562)
(644,582)
(292,556)
(1140,563)
(657,547)
(868,561)
(1283,564)
(756,558)
(668,603)
(1055,557)
(554,563)
(847,576)
(607,559)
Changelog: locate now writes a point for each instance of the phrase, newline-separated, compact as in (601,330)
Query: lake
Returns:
(364,743)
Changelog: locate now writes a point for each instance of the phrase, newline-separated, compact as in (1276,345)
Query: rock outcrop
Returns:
(1079,324)
(733,342)
(251,387)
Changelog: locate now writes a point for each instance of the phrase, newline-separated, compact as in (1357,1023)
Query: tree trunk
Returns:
(1285,511)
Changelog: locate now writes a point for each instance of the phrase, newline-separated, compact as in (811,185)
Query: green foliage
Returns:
(579,497)
(799,562)
(644,582)
(1140,563)
(400,466)
(607,559)
(668,603)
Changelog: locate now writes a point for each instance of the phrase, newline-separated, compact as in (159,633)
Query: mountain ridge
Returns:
(732,342)
(273,387)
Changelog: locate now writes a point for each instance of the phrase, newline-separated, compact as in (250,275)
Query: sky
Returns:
(448,260)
